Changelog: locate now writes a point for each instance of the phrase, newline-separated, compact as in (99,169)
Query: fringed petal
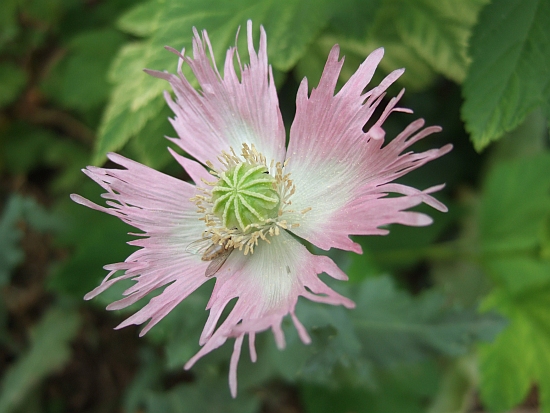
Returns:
(160,206)
(267,285)
(228,111)
(341,172)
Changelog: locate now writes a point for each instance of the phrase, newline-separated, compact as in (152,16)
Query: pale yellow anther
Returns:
(257,225)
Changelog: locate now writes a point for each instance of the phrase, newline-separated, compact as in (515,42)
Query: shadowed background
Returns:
(453,317)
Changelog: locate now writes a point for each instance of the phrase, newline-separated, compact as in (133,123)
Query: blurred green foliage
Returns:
(443,313)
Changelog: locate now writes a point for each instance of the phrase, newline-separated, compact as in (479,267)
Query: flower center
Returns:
(245,194)
(246,202)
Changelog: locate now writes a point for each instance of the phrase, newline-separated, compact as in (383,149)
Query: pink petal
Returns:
(267,285)
(158,205)
(342,172)
(228,111)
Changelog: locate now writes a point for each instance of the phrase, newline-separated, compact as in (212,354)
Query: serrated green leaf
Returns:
(438,31)
(135,100)
(514,213)
(48,352)
(510,71)
(12,81)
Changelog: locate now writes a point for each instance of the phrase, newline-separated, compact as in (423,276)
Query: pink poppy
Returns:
(254,199)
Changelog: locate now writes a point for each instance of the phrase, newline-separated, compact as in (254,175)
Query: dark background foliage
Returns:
(454,317)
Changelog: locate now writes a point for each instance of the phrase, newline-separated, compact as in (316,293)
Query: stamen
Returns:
(246,203)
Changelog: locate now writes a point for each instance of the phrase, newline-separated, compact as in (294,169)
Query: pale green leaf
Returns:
(142,20)
(135,100)
(510,72)
(418,74)
(519,356)
(506,367)
(438,31)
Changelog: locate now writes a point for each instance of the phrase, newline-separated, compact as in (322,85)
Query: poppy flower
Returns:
(254,200)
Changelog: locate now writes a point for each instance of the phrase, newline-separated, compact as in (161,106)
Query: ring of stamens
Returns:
(246,203)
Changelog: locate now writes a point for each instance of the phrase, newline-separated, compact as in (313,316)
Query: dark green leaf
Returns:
(150,145)
(48,352)
(403,389)
(84,81)
(17,211)
(28,148)
(12,81)
(8,21)
(354,18)
(208,394)
(10,236)
(393,327)
(510,72)
(388,328)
